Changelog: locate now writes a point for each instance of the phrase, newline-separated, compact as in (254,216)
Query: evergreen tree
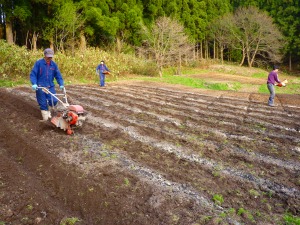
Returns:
(13,14)
(153,9)
(130,16)
(287,16)
(100,25)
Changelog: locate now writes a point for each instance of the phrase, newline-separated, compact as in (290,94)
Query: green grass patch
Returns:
(12,83)
(184,71)
(69,221)
(218,199)
(289,219)
(217,86)
(263,89)
(186,81)
(194,82)
(246,213)
(224,87)
(260,75)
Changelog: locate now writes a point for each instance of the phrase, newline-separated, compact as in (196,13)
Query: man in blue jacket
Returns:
(42,75)
(102,69)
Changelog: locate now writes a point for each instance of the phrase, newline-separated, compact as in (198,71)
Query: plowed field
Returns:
(151,154)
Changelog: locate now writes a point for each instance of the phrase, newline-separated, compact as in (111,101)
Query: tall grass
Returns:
(16,64)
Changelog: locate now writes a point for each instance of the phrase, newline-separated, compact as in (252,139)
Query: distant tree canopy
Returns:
(166,42)
(286,14)
(252,33)
(70,24)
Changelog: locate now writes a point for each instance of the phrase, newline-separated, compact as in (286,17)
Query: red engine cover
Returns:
(72,118)
(76,108)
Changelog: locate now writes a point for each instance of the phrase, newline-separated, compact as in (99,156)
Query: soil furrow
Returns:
(86,200)
(178,123)
(236,105)
(251,158)
(159,154)
(259,129)
(213,112)
(204,164)
(232,101)
(180,153)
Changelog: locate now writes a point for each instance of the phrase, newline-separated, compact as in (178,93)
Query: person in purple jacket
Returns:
(272,78)
(42,75)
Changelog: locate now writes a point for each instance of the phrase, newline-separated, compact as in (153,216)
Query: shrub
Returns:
(145,68)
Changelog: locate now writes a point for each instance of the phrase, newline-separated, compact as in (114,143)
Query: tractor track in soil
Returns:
(151,155)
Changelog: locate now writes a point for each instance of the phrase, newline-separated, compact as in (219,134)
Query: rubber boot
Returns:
(45,115)
(52,111)
(49,114)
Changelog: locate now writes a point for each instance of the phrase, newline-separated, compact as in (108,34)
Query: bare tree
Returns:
(254,33)
(166,42)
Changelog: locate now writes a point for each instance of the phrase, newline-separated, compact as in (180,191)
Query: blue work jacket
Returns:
(43,75)
(101,68)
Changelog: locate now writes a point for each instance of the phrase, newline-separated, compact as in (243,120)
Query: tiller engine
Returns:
(69,116)
(73,116)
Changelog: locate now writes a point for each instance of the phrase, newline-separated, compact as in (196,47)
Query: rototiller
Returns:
(67,117)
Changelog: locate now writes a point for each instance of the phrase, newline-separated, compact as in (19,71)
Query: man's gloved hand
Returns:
(34,87)
(61,87)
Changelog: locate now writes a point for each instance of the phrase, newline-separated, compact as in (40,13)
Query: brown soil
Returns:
(151,154)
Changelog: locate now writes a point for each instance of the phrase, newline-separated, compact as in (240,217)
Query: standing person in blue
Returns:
(102,69)
(42,75)
(272,78)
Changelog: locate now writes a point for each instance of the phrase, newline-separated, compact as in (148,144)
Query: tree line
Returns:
(244,31)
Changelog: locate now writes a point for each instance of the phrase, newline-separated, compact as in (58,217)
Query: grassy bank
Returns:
(17,62)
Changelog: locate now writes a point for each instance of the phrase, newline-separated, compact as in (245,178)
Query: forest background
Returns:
(255,33)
